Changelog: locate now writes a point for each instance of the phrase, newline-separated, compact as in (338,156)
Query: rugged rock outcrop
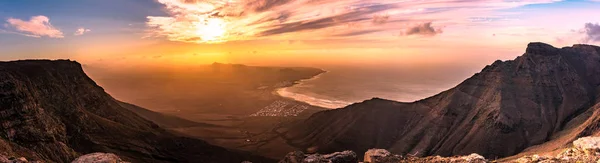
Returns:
(546,94)
(52,111)
(376,156)
(336,157)
(99,158)
(585,149)
(472,158)
(88,158)
(380,155)
(4,159)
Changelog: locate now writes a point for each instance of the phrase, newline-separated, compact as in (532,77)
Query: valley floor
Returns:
(235,106)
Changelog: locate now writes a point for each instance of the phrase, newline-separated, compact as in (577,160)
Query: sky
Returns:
(413,33)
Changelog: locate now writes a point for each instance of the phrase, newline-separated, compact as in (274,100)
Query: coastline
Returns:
(307,99)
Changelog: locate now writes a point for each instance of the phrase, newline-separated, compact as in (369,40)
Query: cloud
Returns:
(592,32)
(80,31)
(264,5)
(424,29)
(37,26)
(357,33)
(17,33)
(380,19)
(325,22)
(209,21)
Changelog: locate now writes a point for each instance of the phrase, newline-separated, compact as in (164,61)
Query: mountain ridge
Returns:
(500,111)
(538,102)
(52,111)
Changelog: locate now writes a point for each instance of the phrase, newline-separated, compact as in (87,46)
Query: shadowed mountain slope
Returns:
(507,107)
(163,120)
(51,110)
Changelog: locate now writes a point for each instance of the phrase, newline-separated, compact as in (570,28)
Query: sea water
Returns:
(342,86)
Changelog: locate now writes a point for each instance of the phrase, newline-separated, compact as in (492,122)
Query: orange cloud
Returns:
(37,26)
(210,21)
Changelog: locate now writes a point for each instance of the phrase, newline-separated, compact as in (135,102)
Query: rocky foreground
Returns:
(89,158)
(584,150)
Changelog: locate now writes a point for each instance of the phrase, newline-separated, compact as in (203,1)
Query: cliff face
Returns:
(498,112)
(50,110)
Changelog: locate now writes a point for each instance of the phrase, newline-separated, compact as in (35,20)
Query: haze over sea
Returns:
(342,86)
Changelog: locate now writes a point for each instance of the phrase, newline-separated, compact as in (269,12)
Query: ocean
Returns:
(342,86)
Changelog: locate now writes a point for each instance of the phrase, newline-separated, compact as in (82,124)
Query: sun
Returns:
(211,30)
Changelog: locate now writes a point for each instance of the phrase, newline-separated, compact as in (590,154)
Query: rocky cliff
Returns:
(547,94)
(52,111)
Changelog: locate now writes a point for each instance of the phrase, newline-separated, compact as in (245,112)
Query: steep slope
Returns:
(163,120)
(50,110)
(498,112)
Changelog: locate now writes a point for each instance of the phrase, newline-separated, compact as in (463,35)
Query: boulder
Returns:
(588,144)
(474,157)
(584,149)
(380,156)
(99,158)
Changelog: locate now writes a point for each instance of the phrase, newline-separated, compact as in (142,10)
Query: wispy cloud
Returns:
(202,21)
(81,30)
(380,19)
(37,26)
(334,20)
(17,33)
(424,29)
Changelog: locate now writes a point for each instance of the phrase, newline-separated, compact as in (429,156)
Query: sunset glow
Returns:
(211,30)
(268,32)
(290,81)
